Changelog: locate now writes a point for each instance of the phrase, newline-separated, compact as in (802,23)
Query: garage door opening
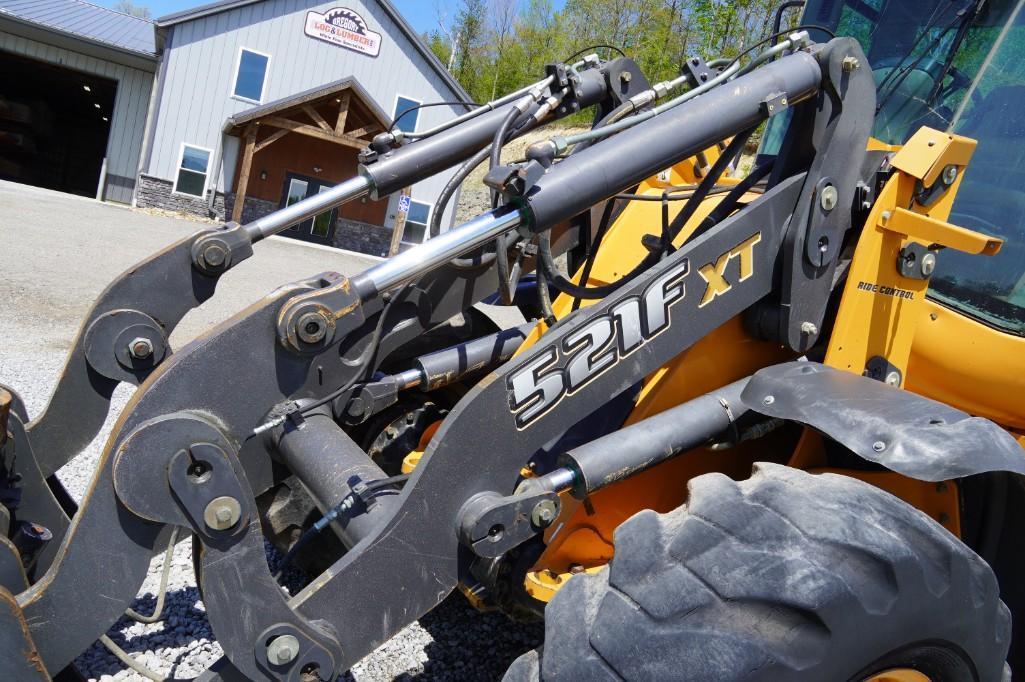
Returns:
(54,124)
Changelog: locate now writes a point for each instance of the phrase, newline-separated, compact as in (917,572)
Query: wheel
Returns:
(785,576)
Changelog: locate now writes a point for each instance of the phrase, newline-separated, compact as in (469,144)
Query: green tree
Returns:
(439,45)
(469,45)
(502,45)
(131,9)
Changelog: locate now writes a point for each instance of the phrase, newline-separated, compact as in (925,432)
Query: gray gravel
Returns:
(58,253)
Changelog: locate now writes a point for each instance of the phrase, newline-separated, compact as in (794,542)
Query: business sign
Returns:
(343,27)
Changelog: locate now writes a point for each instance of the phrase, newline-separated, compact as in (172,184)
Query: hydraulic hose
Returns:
(450,189)
(620,123)
(729,202)
(501,247)
(547,262)
(483,109)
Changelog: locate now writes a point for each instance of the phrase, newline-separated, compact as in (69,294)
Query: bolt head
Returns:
(222,513)
(928,264)
(312,327)
(768,400)
(544,513)
(949,175)
(828,198)
(893,379)
(214,255)
(850,64)
(140,348)
(879,446)
(809,328)
(283,649)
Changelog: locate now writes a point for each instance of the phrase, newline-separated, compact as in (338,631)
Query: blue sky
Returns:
(420,13)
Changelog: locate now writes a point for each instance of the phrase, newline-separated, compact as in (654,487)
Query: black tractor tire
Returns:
(784,576)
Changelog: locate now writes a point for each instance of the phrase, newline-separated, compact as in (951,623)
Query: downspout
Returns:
(149,129)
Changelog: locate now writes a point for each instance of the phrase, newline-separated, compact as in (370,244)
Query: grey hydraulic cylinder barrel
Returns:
(328,463)
(632,449)
(431,155)
(426,157)
(447,366)
(596,173)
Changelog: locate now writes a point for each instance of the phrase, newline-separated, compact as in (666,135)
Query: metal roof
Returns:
(389,9)
(86,21)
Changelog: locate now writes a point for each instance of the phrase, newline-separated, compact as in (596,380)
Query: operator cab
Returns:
(959,66)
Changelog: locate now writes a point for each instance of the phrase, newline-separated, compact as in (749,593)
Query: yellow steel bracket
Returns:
(881,306)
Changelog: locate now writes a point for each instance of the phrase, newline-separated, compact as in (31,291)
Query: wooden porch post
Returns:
(243,176)
(400,223)
(343,113)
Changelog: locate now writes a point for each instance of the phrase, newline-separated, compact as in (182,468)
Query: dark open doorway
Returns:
(54,124)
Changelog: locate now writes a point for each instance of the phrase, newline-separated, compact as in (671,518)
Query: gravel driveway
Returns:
(57,253)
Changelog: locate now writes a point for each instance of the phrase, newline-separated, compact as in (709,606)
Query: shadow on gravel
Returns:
(182,632)
(469,645)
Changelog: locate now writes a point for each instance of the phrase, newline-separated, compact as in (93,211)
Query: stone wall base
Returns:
(352,235)
(367,238)
(159,193)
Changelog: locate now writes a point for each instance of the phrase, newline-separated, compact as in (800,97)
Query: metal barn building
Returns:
(246,105)
(75,87)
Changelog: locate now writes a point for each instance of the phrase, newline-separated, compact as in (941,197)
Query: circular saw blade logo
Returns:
(343,27)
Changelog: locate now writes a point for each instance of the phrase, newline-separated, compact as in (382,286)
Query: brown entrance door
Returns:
(320,228)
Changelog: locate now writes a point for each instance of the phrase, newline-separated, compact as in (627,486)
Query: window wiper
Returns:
(963,19)
(969,14)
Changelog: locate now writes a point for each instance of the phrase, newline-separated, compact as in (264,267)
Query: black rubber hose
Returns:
(505,290)
(729,202)
(732,151)
(707,184)
(544,298)
(603,227)
(331,515)
(611,117)
(777,21)
(500,137)
(483,259)
(450,189)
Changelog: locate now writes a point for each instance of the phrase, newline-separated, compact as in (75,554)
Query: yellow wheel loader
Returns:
(763,420)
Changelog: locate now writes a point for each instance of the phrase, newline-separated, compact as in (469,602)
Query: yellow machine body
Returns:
(944,355)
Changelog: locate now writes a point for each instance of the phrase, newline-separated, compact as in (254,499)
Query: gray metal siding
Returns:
(130,103)
(201,63)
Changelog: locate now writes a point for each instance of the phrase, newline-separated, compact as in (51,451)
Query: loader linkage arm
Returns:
(186,440)
(125,335)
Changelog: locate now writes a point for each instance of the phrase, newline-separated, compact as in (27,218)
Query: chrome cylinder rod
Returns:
(275,222)
(406,266)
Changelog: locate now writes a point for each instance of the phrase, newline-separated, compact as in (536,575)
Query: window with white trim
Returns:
(193,167)
(417,220)
(250,75)
(405,114)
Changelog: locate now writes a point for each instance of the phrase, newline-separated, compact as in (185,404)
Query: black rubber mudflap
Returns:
(785,576)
